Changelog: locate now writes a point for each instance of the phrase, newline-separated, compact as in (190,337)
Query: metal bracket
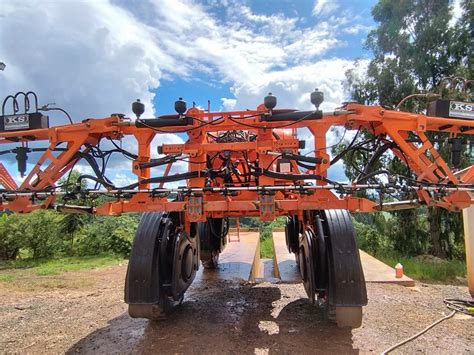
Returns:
(195,208)
(267,207)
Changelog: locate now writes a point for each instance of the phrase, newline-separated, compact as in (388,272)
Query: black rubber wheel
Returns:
(346,290)
(213,239)
(292,233)
(161,254)
(333,277)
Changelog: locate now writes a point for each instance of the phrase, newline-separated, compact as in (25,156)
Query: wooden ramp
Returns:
(374,270)
(240,260)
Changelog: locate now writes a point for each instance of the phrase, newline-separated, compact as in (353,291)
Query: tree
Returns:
(414,48)
(39,232)
(71,222)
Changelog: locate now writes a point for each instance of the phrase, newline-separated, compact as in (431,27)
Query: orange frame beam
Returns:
(423,160)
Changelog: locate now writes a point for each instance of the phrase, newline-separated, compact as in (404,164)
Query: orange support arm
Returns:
(251,183)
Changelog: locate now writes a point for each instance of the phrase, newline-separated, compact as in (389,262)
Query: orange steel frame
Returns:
(423,159)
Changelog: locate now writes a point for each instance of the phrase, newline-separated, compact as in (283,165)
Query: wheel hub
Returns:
(187,263)
(306,258)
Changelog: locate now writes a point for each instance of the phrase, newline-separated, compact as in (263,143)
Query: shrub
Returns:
(372,239)
(10,243)
(107,235)
(37,232)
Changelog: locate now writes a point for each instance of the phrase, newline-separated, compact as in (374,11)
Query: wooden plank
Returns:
(239,261)
(377,272)
(374,270)
(284,266)
(468,220)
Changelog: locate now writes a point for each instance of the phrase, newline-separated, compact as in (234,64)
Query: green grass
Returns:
(55,266)
(7,278)
(266,236)
(266,248)
(445,271)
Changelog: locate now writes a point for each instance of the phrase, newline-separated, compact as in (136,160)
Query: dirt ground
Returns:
(83,312)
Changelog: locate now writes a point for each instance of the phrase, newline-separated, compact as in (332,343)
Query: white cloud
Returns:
(293,86)
(355,29)
(228,104)
(92,58)
(95,57)
(324,7)
(456,11)
(80,58)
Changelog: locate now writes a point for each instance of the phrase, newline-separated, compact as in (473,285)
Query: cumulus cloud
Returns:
(228,104)
(95,57)
(324,7)
(92,57)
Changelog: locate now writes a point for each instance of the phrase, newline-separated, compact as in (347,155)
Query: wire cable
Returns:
(456,305)
(214,122)
(272,127)
(45,108)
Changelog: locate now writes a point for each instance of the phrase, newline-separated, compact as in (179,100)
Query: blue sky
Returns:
(94,57)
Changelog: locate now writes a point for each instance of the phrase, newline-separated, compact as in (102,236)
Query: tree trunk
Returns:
(434,218)
(71,245)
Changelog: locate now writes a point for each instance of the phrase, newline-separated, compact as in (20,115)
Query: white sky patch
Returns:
(456,10)
(293,86)
(324,7)
(228,104)
(357,28)
(122,179)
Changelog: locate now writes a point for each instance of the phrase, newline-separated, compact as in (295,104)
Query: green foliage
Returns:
(68,182)
(68,227)
(46,234)
(249,222)
(266,248)
(266,228)
(107,235)
(391,250)
(444,271)
(266,238)
(408,231)
(414,48)
(43,267)
(7,278)
(369,238)
(37,232)
(10,242)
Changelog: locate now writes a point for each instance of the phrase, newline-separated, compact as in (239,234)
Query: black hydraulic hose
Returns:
(153,180)
(293,116)
(349,147)
(123,151)
(96,179)
(164,121)
(60,110)
(284,176)
(378,153)
(305,166)
(304,158)
(93,164)
(372,174)
(171,178)
(157,162)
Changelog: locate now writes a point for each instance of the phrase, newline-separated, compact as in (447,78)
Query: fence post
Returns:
(468,220)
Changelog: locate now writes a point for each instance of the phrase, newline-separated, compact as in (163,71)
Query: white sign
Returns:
(461,109)
(14,122)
